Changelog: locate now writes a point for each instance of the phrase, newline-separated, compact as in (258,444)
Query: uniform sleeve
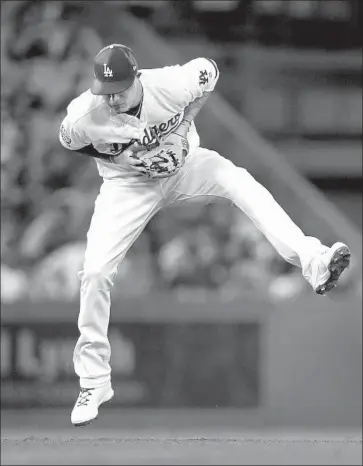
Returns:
(71,136)
(201,74)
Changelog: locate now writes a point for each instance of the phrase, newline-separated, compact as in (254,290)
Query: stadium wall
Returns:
(297,364)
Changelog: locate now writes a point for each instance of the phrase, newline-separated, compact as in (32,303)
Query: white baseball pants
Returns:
(123,208)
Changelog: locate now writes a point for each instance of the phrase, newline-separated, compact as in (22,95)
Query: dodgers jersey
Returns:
(167,92)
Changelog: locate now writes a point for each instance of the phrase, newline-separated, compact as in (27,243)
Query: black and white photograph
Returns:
(181,232)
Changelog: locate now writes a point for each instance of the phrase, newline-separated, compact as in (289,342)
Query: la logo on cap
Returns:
(108,73)
(115,69)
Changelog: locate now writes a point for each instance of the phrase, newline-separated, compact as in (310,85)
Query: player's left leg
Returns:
(206,173)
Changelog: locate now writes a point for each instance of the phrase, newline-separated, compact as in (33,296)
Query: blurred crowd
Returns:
(48,195)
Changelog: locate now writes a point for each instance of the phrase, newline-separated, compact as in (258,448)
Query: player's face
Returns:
(123,101)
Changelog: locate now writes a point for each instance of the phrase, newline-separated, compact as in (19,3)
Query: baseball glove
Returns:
(161,160)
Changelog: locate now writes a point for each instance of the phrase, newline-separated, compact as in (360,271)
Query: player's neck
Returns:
(139,94)
(136,107)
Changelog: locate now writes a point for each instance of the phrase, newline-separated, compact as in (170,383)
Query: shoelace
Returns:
(84,396)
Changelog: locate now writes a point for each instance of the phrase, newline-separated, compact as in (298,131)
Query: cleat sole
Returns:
(84,424)
(338,263)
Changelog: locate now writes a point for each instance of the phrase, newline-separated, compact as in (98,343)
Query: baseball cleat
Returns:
(86,407)
(326,269)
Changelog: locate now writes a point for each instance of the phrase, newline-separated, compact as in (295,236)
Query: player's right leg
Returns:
(120,215)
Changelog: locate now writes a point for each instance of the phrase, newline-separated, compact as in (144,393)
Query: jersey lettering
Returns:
(203,77)
(162,129)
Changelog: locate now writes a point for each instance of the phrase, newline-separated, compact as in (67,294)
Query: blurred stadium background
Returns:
(208,324)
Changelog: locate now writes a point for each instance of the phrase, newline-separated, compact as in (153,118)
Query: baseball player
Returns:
(138,126)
